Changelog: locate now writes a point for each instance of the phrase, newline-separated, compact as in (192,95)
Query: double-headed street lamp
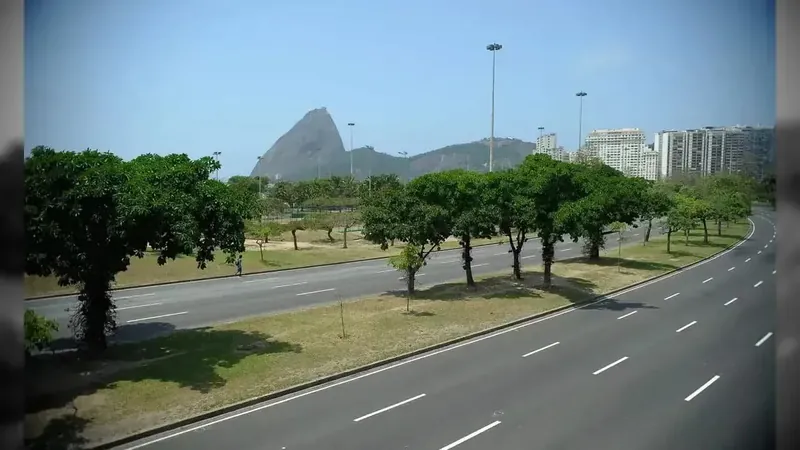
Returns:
(580,96)
(494,48)
(404,155)
(216,156)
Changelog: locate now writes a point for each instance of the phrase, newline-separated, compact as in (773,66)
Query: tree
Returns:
(346,220)
(262,232)
(655,204)
(38,331)
(509,192)
(408,261)
(88,213)
(682,217)
(399,215)
(251,185)
(620,228)
(298,225)
(323,221)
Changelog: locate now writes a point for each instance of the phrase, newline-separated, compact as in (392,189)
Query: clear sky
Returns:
(197,76)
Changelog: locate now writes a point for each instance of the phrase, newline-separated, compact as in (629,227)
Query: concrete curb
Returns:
(260,272)
(327,379)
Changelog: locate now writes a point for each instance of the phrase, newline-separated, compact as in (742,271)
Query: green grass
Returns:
(315,248)
(192,371)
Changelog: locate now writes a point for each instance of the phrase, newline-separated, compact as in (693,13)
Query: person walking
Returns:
(239,266)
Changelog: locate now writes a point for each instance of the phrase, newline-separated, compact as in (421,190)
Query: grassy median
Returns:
(314,247)
(144,385)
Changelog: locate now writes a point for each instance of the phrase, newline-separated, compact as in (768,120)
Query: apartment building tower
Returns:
(623,149)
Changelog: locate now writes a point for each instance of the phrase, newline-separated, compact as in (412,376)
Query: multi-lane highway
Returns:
(684,362)
(146,312)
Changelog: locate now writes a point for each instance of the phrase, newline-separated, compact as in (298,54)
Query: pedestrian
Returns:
(239,266)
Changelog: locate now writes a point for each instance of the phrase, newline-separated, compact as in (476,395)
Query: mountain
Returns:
(313,147)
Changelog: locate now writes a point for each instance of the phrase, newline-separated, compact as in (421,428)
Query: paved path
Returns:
(146,312)
(685,362)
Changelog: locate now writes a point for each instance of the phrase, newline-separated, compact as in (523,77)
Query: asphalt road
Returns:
(147,312)
(684,362)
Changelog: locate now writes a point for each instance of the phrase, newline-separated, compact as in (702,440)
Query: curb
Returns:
(260,272)
(327,379)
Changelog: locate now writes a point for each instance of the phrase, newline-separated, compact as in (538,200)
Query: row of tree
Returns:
(543,198)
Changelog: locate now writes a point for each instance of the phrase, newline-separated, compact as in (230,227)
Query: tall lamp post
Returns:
(580,96)
(494,49)
(259,177)
(351,125)
(404,154)
(216,156)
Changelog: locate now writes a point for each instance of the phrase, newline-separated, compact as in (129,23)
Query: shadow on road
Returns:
(188,358)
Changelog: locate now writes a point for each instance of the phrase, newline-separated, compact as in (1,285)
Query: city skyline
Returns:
(138,77)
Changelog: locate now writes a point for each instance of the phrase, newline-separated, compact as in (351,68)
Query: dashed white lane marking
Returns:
(540,349)
(730,301)
(706,281)
(773,272)
(157,317)
(447,261)
(479,265)
(599,371)
(673,295)
(766,245)
(731,268)
(702,388)
(225,418)
(375,413)
(471,435)
(386,271)
(133,296)
(626,315)
(316,292)
(501,254)
(757,284)
(415,276)
(289,285)
(759,252)
(685,326)
(763,339)
(138,306)
(529,256)
(747,260)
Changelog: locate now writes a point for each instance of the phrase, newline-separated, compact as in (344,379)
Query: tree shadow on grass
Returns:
(60,433)
(623,263)
(188,358)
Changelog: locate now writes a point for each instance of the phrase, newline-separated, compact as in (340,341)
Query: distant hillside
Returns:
(313,146)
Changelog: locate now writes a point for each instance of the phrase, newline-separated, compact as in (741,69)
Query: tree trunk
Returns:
(669,239)
(95,314)
(294,239)
(548,252)
(410,274)
(466,257)
(686,234)
(719,228)
(344,238)
(705,231)
(516,265)
(261,250)
(594,245)
(330,238)
(392,241)
(647,231)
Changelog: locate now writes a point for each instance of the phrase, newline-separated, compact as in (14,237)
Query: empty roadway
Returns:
(150,311)
(677,363)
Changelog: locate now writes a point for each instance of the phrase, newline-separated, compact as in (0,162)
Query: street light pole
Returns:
(216,156)
(404,154)
(351,125)
(580,96)
(259,177)
(492,48)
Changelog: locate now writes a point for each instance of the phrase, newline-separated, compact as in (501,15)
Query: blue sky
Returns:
(197,76)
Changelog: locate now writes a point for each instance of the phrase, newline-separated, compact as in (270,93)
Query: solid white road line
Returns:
(289,285)
(673,295)
(599,371)
(757,284)
(731,301)
(731,268)
(747,260)
(138,306)
(685,326)
(626,315)
(702,388)
(706,281)
(375,413)
(540,349)
(763,339)
(157,317)
(471,435)
(325,387)
(316,292)
(133,296)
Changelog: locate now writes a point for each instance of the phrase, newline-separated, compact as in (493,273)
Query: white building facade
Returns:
(623,149)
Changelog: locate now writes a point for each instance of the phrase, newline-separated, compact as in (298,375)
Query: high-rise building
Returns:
(623,149)
(715,149)
(546,143)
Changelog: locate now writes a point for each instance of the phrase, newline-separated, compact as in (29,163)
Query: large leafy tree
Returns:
(248,184)
(400,215)
(88,213)
(655,204)
(460,193)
